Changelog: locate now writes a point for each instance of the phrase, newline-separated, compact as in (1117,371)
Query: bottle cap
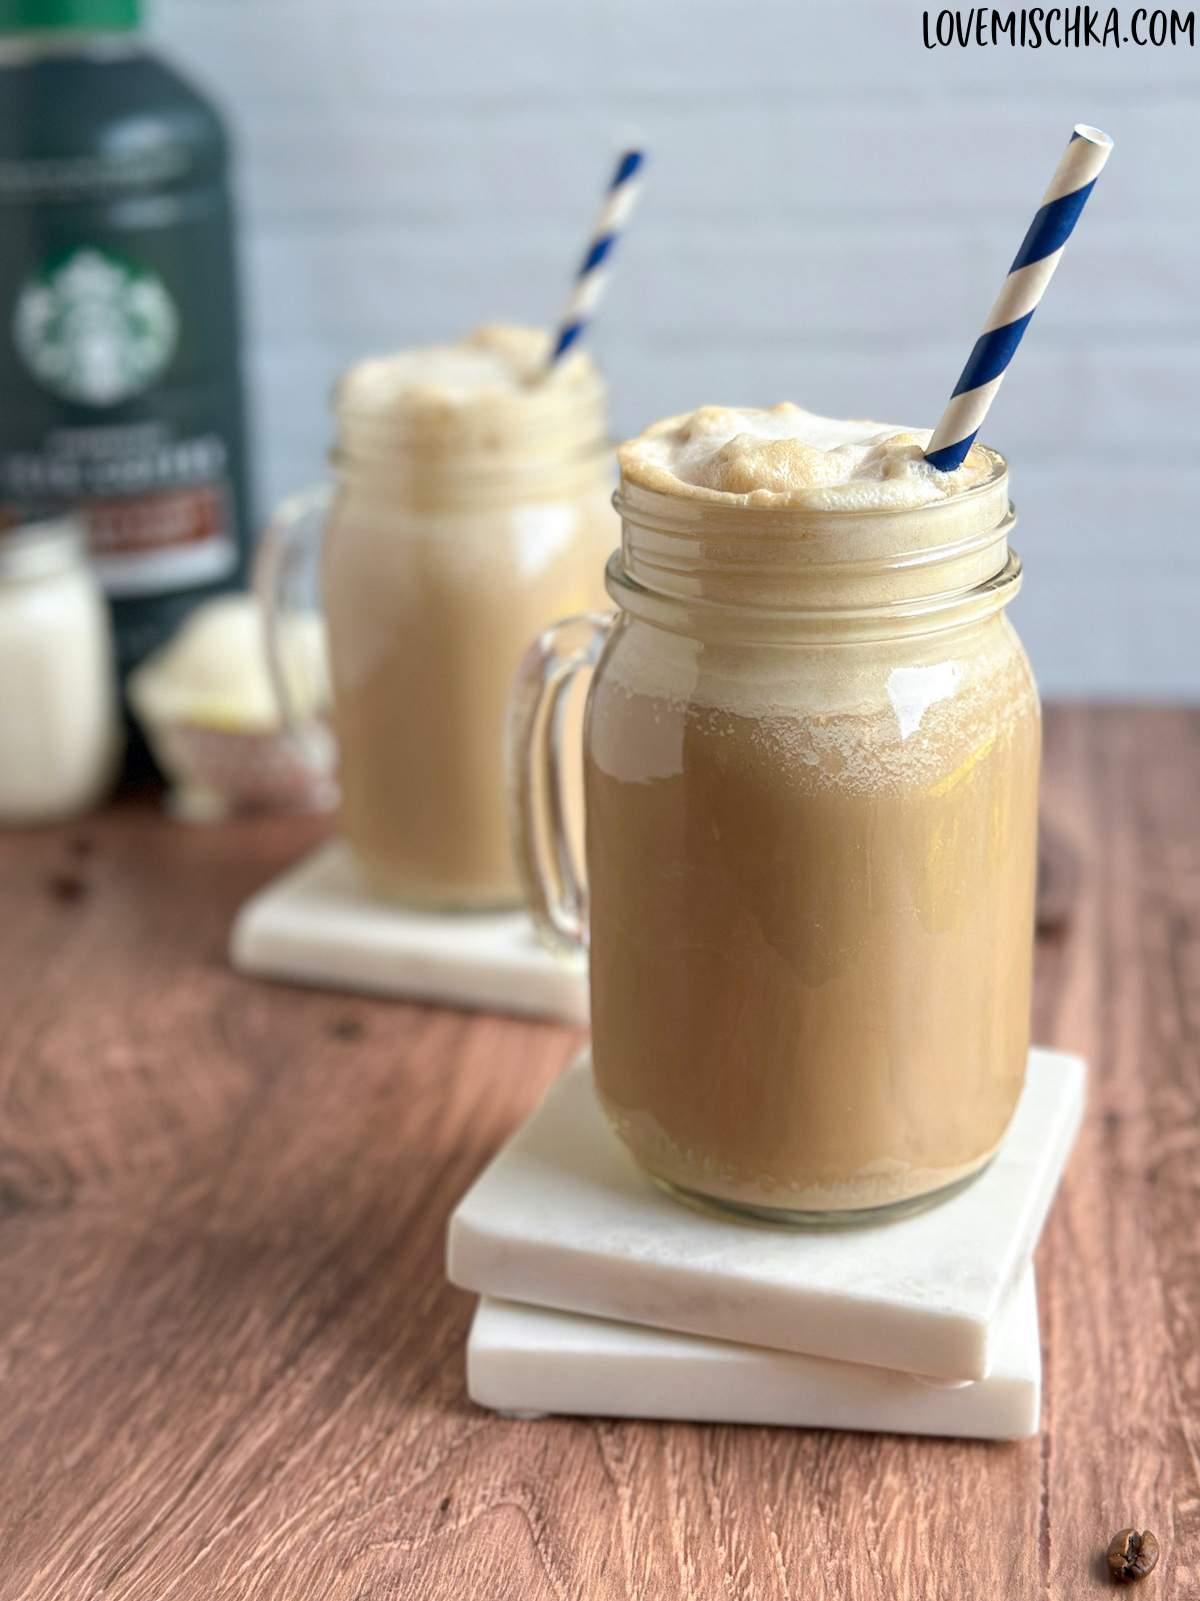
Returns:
(82,16)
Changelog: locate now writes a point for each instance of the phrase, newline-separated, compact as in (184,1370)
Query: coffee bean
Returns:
(1131,1555)
(346,1029)
(67,888)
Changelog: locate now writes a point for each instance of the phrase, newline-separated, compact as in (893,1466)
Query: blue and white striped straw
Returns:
(1024,287)
(593,272)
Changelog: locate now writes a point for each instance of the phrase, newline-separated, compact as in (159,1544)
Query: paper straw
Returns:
(593,272)
(1024,287)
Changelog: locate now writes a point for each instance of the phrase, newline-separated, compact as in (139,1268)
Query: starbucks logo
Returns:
(95,328)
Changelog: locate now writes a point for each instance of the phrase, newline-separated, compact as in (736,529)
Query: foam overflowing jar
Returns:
(811,762)
(542,444)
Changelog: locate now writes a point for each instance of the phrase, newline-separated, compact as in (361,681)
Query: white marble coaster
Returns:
(563,1218)
(529,1361)
(316,925)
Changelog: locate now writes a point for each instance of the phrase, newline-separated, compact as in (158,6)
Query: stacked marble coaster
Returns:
(601,1295)
(317,924)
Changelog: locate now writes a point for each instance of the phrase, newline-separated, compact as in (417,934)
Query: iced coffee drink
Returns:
(811,768)
(472,510)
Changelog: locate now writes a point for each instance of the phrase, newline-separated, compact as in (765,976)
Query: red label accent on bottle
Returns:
(145,543)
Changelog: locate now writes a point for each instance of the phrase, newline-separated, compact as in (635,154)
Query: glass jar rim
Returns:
(479,472)
(844,624)
(819,569)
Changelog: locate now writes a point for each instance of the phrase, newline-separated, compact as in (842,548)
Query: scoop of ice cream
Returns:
(786,456)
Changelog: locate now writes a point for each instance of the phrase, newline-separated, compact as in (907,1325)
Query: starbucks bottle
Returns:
(120,391)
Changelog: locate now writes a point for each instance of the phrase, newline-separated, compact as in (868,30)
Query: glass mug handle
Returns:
(285,567)
(553,882)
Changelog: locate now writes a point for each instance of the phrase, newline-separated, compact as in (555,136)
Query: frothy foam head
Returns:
(786,456)
(499,365)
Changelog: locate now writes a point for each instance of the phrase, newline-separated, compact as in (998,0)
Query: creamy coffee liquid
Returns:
(811,864)
(473,511)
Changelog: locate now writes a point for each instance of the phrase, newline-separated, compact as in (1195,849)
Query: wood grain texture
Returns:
(231,1368)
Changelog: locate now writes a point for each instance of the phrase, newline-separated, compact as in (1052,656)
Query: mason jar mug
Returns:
(445,543)
(811,763)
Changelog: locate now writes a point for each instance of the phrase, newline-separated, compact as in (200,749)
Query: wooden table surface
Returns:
(231,1367)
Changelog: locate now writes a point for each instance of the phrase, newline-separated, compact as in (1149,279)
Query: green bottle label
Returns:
(128,428)
(94,328)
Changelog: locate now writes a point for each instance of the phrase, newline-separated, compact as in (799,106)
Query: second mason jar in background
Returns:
(471,510)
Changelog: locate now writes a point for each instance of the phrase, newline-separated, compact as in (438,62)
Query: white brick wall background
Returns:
(828,215)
